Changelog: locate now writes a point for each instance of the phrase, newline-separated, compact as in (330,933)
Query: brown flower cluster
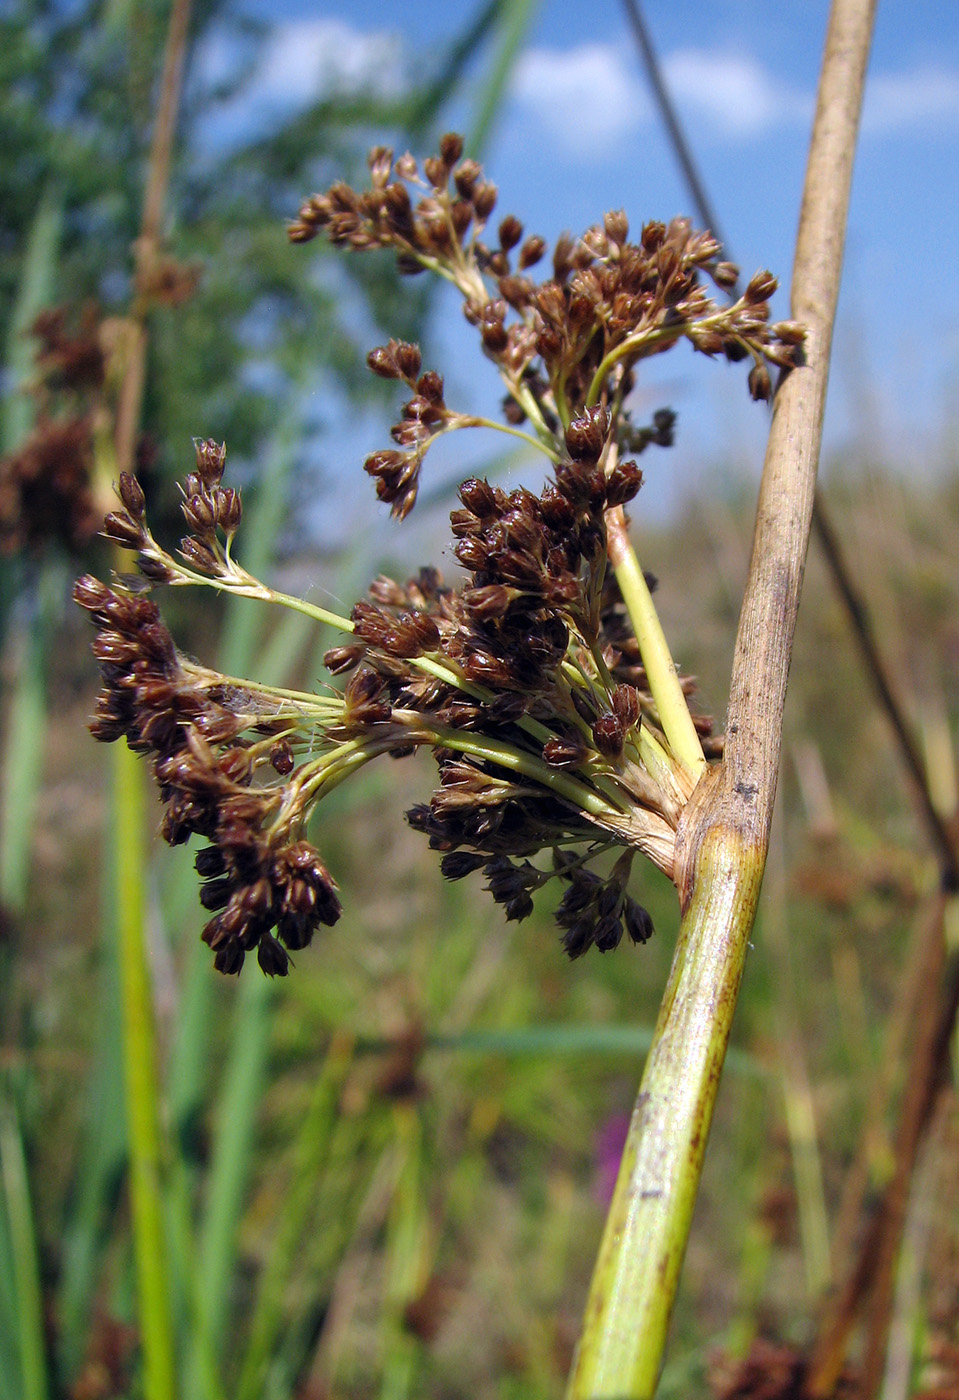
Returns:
(45,492)
(562,739)
(211,511)
(526,633)
(561,344)
(259,875)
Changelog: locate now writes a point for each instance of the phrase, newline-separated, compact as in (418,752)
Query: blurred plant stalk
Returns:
(141,1058)
(724,835)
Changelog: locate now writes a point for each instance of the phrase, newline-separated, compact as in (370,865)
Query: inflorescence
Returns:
(541,682)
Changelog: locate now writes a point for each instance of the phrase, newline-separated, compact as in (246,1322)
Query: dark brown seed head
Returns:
(531,251)
(608,735)
(510,232)
(210,460)
(726,275)
(343,658)
(281,757)
(622,483)
(122,529)
(465,177)
(478,497)
(616,225)
(564,752)
(484,200)
(436,171)
(229,510)
(586,434)
(625,700)
(430,386)
(760,384)
(382,361)
(451,148)
(409,359)
(760,287)
(131,494)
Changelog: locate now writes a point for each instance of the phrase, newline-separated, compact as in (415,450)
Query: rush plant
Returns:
(541,680)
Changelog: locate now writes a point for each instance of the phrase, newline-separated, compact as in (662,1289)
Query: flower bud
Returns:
(586,435)
(608,735)
(131,494)
(409,359)
(451,148)
(760,384)
(382,361)
(436,171)
(510,232)
(616,225)
(760,287)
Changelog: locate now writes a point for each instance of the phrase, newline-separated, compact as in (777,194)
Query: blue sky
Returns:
(579,134)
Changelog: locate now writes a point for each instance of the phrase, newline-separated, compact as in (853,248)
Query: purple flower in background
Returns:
(610,1141)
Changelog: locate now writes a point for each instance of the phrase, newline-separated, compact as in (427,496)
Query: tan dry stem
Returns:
(724,836)
(147,245)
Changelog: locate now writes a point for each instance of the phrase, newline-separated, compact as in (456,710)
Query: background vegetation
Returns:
(387,1175)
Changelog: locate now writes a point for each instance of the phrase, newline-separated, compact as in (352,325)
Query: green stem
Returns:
(304,700)
(26,1274)
(244,585)
(637,1271)
(541,444)
(654,336)
(660,667)
(142,1096)
(507,756)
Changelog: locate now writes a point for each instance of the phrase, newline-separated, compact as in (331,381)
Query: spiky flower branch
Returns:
(543,684)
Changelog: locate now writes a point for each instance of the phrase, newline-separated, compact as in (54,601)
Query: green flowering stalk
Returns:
(542,684)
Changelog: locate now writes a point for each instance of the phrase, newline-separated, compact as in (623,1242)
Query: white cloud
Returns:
(307,59)
(734,93)
(895,101)
(595,94)
(585,97)
(304,61)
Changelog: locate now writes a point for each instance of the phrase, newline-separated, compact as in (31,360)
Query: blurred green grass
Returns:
(403,1218)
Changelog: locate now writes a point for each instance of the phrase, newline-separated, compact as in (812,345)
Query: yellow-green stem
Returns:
(641,1254)
(140,1070)
(661,671)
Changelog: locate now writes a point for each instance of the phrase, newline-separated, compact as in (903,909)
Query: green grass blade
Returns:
(516,16)
(196,1317)
(25,741)
(103,1149)
(189,1072)
(9,1355)
(100,1169)
(26,722)
(405,1243)
(233,1147)
(298,1207)
(282,650)
(142,1093)
(425,107)
(26,1272)
(36,290)
(550,1041)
